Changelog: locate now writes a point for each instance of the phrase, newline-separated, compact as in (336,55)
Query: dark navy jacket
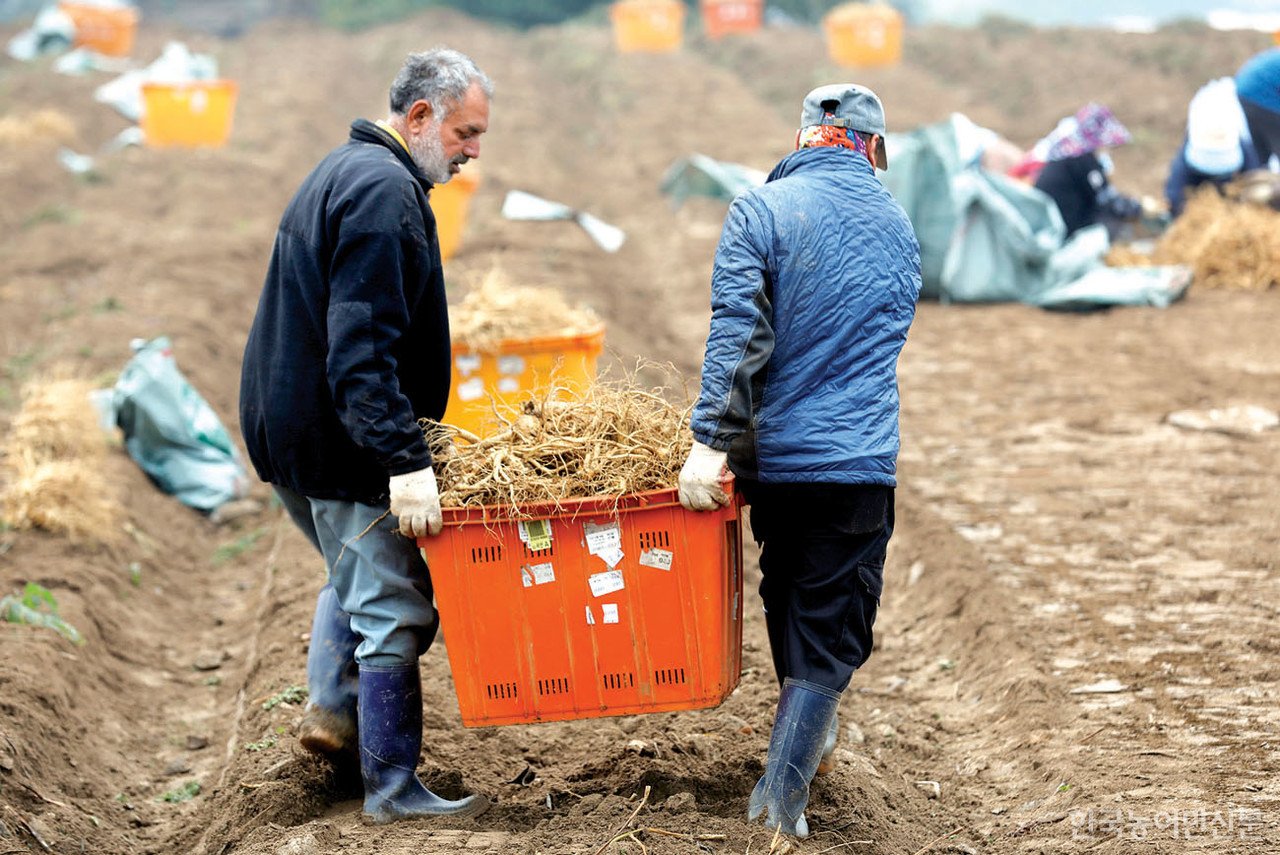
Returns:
(1083,193)
(350,345)
(1183,176)
(815,284)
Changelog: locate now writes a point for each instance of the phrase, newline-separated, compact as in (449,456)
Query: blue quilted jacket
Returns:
(815,284)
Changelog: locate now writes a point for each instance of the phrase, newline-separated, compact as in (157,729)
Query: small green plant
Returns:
(65,313)
(135,574)
(289,695)
(1064,787)
(37,607)
(107,304)
(213,680)
(56,213)
(234,549)
(184,793)
(18,366)
(260,745)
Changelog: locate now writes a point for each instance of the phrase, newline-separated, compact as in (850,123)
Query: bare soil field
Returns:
(1076,651)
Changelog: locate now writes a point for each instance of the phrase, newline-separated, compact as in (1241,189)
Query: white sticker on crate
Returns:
(507,385)
(471,390)
(535,533)
(606,583)
(659,558)
(525,578)
(591,619)
(542,573)
(612,556)
(610,612)
(511,365)
(603,536)
(467,363)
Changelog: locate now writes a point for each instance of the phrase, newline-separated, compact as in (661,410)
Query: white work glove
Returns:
(415,500)
(703,478)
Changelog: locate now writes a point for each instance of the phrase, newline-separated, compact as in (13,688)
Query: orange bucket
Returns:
(647,26)
(729,17)
(515,370)
(108,30)
(196,113)
(449,203)
(601,608)
(863,36)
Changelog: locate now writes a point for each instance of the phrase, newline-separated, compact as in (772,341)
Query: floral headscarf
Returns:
(1091,128)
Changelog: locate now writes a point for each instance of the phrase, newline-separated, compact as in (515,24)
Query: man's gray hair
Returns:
(439,76)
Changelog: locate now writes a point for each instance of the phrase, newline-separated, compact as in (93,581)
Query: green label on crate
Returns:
(536,533)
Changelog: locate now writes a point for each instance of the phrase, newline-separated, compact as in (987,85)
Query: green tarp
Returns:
(985,237)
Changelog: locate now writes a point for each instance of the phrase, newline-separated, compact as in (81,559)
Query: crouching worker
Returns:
(349,348)
(813,289)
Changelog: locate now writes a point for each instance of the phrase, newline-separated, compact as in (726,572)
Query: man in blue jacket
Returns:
(349,348)
(1258,85)
(814,287)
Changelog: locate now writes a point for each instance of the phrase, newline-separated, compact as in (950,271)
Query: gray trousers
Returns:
(381,579)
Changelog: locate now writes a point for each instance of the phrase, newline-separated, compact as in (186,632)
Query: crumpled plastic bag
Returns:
(172,432)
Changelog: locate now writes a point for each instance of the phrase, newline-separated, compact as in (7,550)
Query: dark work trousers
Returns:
(1264,127)
(822,558)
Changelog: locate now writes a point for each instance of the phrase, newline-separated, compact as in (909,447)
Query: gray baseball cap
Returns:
(846,105)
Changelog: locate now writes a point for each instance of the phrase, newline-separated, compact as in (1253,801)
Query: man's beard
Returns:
(427,152)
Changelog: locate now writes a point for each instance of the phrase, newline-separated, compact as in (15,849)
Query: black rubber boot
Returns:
(390,739)
(805,713)
(329,721)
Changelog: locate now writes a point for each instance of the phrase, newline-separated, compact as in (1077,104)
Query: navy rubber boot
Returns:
(800,731)
(329,721)
(390,739)
(827,764)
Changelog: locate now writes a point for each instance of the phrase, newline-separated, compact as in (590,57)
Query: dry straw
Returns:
(54,457)
(611,441)
(36,128)
(1228,244)
(495,311)
(60,496)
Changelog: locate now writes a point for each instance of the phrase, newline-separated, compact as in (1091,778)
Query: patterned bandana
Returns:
(1091,128)
(820,136)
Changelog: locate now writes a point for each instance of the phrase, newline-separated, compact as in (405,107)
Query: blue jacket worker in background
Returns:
(349,348)
(814,287)
(1258,86)
(1217,147)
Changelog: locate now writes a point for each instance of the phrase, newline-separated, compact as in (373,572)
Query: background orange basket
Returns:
(544,621)
(730,17)
(516,370)
(107,30)
(191,114)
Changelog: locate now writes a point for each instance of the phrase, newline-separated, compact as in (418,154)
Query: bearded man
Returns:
(349,348)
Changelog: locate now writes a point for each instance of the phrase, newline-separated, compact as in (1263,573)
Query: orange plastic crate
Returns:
(540,631)
(863,35)
(189,115)
(647,26)
(730,17)
(107,30)
(449,203)
(501,378)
